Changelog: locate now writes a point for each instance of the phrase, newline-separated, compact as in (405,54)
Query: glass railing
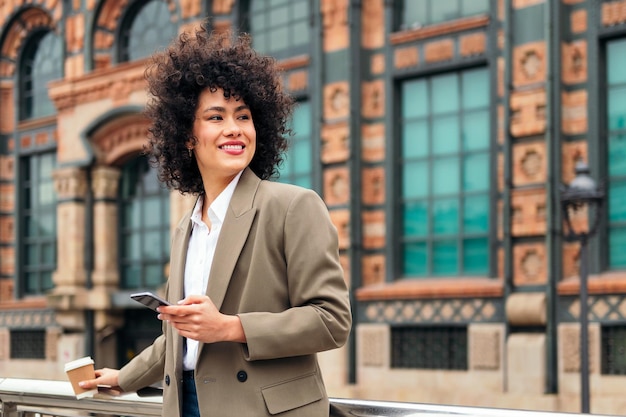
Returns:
(33,397)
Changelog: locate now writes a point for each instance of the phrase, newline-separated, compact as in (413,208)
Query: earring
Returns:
(190,153)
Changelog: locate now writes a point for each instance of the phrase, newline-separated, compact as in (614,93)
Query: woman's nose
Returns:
(232,128)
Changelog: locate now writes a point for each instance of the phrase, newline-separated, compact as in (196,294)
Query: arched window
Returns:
(280,28)
(42,62)
(144,226)
(146,27)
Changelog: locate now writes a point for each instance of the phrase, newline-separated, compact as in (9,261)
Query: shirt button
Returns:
(167,379)
(242,376)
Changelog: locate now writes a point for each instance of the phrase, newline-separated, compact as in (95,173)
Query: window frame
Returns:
(143,263)
(26,187)
(290,51)
(26,110)
(395,184)
(123,33)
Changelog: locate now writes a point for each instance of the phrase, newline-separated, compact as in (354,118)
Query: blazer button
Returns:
(242,376)
(167,379)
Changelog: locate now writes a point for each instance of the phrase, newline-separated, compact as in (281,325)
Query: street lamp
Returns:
(582,193)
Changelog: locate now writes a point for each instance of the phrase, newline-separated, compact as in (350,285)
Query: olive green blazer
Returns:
(276,265)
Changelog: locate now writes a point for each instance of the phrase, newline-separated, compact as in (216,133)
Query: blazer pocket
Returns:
(292,394)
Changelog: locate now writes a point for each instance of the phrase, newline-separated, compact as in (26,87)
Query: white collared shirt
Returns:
(200,253)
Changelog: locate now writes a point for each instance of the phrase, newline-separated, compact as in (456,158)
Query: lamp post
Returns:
(582,193)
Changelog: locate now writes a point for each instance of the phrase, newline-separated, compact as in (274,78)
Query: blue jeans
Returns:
(190,396)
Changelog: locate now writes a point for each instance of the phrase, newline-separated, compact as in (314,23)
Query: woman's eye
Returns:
(215,117)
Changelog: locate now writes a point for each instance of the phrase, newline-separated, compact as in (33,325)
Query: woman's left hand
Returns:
(196,317)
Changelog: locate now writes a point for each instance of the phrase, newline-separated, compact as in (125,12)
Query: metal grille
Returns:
(28,344)
(614,350)
(429,347)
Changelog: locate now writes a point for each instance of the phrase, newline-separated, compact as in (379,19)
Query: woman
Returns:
(255,277)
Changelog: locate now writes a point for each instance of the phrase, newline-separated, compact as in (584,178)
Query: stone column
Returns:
(104,184)
(69,293)
(71,187)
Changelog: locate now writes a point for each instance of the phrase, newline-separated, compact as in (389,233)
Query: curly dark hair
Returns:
(193,62)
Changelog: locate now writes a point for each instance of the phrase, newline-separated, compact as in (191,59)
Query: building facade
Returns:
(438,132)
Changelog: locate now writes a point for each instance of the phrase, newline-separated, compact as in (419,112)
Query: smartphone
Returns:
(150,300)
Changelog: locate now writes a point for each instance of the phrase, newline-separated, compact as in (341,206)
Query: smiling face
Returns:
(226,138)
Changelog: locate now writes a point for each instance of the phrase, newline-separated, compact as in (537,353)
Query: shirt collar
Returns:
(217,209)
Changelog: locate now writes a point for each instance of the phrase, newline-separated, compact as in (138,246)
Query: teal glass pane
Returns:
(415,178)
(617,247)
(260,42)
(48,254)
(415,258)
(617,201)
(274,3)
(415,219)
(301,35)
(443,10)
(30,226)
(414,99)
(132,246)
(151,212)
(446,216)
(476,131)
(46,281)
(47,223)
(278,38)
(616,61)
(303,181)
(445,258)
(415,139)
(132,214)
(473,7)
(445,93)
(617,108)
(476,214)
(445,134)
(31,255)
(300,9)
(302,157)
(476,256)
(46,194)
(279,16)
(257,20)
(132,276)
(415,13)
(151,248)
(301,121)
(154,275)
(617,155)
(476,172)
(475,88)
(46,166)
(445,176)
(32,282)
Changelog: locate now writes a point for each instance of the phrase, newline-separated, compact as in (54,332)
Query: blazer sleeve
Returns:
(319,318)
(144,369)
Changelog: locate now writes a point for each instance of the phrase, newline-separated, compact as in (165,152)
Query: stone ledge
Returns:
(605,283)
(433,288)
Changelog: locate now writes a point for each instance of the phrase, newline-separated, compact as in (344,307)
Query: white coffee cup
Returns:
(81,370)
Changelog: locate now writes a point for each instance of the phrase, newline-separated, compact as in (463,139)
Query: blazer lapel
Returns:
(233,235)
(180,242)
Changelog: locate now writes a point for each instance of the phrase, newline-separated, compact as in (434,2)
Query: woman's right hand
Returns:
(104,377)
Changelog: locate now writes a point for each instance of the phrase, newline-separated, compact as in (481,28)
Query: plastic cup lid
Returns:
(78,363)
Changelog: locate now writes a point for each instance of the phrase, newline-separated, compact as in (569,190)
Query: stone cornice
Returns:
(439,29)
(109,83)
